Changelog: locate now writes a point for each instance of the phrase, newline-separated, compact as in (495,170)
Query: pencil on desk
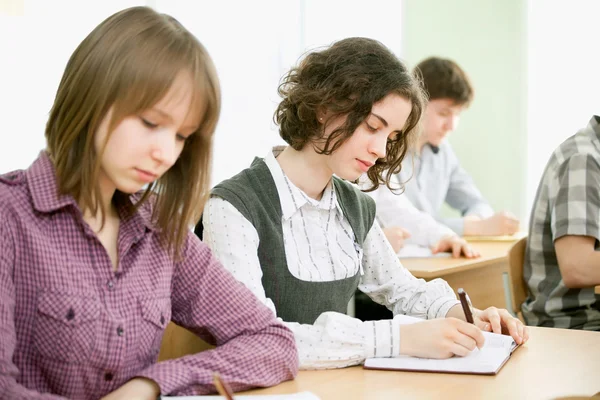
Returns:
(222,387)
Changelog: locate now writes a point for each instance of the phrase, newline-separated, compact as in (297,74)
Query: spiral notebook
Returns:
(485,361)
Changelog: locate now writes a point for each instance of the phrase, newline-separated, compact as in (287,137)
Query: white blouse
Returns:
(320,246)
(396,210)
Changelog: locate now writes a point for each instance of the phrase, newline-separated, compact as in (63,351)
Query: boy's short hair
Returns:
(442,78)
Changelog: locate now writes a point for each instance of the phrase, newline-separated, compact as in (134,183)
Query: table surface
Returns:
(554,363)
(427,268)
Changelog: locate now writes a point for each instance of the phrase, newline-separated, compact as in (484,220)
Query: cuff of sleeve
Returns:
(168,379)
(382,338)
(564,228)
(441,306)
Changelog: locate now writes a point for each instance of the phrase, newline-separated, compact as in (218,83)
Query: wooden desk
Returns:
(554,363)
(597,289)
(480,277)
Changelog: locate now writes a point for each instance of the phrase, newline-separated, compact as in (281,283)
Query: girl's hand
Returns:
(499,320)
(440,338)
(135,389)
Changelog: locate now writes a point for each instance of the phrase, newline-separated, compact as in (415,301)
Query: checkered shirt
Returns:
(71,327)
(567,203)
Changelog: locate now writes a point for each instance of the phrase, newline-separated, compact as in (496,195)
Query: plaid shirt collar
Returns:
(43,185)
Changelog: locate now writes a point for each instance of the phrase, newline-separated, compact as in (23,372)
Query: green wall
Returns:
(488,39)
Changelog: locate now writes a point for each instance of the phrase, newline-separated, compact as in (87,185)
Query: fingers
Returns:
(525,335)
(471,331)
(512,325)
(492,316)
(456,249)
(465,342)
(459,350)
(442,245)
(521,332)
(405,233)
(467,250)
(501,318)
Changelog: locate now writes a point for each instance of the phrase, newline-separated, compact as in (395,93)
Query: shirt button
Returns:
(162,319)
(70,314)
(110,284)
(108,376)
(120,331)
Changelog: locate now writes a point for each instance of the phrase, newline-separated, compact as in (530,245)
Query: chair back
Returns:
(516,258)
(178,342)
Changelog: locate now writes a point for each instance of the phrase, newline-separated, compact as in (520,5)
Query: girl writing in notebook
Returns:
(302,238)
(91,269)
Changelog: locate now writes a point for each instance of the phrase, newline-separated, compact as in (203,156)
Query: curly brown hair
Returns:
(442,78)
(347,79)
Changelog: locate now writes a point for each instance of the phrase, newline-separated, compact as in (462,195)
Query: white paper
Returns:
(414,251)
(293,396)
(485,360)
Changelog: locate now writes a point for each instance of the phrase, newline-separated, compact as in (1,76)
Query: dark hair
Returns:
(444,79)
(128,63)
(346,79)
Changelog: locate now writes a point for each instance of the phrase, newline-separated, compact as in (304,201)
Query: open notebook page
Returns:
(293,396)
(414,251)
(487,360)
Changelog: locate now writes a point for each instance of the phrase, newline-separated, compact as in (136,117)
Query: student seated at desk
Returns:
(302,238)
(403,223)
(91,269)
(432,173)
(562,264)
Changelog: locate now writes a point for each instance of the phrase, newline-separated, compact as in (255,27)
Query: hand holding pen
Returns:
(492,319)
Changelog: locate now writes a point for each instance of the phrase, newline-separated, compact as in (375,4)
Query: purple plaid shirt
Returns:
(72,327)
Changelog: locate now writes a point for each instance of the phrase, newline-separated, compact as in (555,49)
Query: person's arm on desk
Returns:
(478,218)
(578,261)
(334,340)
(403,223)
(456,245)
(388,283)
(337,340)
(500,224)
(252,347)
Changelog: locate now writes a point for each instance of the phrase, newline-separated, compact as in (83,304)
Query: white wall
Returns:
(487,38)
(251,62)
(35,46)
(252,49)
(563,77)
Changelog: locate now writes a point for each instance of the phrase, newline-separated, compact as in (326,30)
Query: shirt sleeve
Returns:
(464,196)
(335,340)
(387,282)
(575,210)
(397,210)
(9,388)
(252,347)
